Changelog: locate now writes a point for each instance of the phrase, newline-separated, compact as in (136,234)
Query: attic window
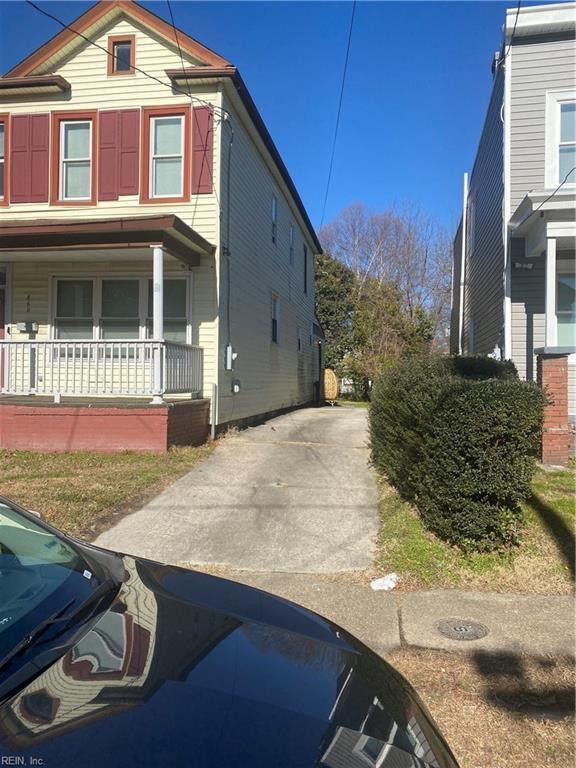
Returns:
(121,55)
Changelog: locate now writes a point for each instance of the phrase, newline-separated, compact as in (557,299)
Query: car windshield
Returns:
(39,573)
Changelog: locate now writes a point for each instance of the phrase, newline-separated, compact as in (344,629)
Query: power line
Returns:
(571,171)
(226,247)
(338,113)
(194,115)
(512,35)
(173,88)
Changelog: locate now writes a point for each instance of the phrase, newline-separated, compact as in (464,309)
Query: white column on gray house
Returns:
(551,323)
(158,320)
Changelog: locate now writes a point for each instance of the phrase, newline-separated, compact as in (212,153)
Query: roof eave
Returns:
(231,74)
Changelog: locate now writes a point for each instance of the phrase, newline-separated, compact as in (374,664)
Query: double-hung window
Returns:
(175,310)
(118,308)
(75,160)
(567,143)
(167,156)
(74,309)
(566,305)
(120,314)
(560,157)
(275,317)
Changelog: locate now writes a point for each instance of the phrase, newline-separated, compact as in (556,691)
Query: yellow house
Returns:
(156,261)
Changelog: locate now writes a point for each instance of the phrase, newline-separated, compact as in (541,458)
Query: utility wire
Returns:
(226,246)
(559,187)
(173,88)
(194,116)
(512,35)
(338,113)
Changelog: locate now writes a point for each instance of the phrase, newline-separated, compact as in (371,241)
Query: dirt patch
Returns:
(497,710)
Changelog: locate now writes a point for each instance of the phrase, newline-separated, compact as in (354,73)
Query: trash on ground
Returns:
(386,583)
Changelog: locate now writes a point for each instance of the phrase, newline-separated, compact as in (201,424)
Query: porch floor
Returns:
(47,401)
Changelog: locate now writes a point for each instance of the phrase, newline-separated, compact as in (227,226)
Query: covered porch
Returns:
(100,308)
(544,228)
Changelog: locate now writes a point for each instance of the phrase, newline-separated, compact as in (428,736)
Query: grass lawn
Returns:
(353,403)
(543,563)
(497,710)
(83,493)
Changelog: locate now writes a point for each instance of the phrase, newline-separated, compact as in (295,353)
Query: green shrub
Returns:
(476,461)
(480,367)
(402,398)
(460,441)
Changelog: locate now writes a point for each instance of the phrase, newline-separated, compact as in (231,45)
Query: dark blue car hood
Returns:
(186,669)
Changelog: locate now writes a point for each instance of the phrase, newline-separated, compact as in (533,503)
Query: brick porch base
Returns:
(109,426)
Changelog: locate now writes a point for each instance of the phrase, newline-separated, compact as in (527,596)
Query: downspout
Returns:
(463,264)
(507,276)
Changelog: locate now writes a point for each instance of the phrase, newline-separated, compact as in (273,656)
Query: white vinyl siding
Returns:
(484,294)
(273,376)
(537,68)
(92,90)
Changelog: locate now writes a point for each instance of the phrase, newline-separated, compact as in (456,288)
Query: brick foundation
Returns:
(553,377)
(98,426)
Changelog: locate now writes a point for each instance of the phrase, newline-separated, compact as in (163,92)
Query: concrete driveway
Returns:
(294,494)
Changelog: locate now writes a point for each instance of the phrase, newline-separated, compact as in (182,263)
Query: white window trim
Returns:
(97,302)
(154,157)
(275,315)
(554,100)
(71,161)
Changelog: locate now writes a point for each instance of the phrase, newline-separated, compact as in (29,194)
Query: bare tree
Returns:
(400,246)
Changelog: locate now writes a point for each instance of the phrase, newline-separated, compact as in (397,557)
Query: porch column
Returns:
(553,378)
(551,333)
(158,321)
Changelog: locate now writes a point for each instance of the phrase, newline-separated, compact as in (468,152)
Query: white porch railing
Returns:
(83,368)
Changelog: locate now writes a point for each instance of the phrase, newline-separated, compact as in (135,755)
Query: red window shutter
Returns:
(202,150)
(108,153)
(40,158)
(20,160)
(129,152)
(29,158)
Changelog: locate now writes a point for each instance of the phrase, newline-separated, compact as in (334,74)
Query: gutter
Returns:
(183,76)
(463,264)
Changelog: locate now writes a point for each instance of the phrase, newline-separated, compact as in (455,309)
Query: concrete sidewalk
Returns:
(533,624)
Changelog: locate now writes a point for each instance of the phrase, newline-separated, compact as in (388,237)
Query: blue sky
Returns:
(416,92)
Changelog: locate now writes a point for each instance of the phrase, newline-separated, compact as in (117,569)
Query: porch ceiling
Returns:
(105,235)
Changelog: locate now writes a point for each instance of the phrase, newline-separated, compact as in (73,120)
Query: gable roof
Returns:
(211,65)
(44,58)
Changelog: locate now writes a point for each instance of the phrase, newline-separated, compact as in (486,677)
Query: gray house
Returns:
(513,287)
